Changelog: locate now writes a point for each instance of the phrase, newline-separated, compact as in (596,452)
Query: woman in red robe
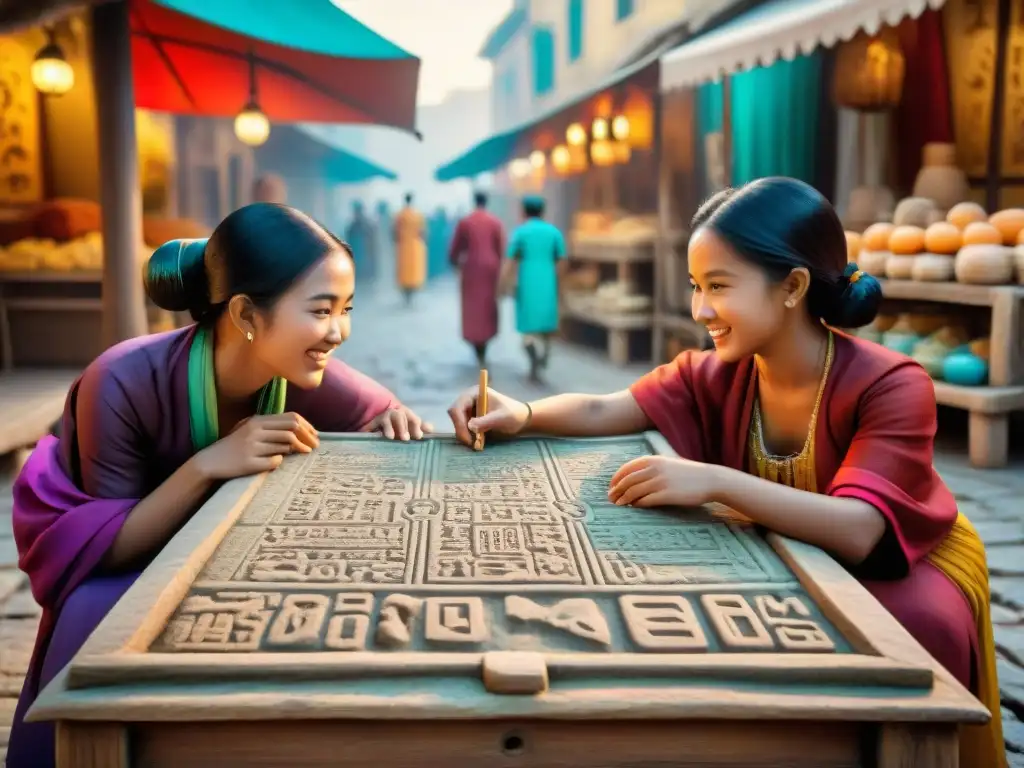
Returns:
(807,431)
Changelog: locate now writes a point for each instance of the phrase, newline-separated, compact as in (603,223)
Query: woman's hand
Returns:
(257,444)
(400,423)
(661,481)
(504,415)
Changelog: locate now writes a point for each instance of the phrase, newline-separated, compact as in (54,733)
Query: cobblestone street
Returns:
(419,354)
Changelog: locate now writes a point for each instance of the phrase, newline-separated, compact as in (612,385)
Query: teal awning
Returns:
(501,148)
(293,153)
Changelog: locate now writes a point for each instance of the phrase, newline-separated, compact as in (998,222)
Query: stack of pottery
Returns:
(874,249)
(941,242)
(905,243)
(939,178)
(986,258)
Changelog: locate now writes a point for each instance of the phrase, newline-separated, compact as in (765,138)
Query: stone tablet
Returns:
(377,561)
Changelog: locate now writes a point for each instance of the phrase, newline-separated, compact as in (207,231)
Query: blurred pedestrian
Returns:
(476,251)
(410,250)
(361,235)
(439,232)
(536,261)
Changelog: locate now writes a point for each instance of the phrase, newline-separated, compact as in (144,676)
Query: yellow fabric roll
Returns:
(961,556)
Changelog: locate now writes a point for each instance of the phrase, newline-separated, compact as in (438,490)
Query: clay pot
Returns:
(873,262)
(962,214)
(985,264)
(899,267)
(1010,223)
(853,246)
(943,237)
(933,268)
(939,178)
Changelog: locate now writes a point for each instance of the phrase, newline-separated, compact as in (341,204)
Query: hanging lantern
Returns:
(620,128)
(51,73)
(576,135)
(561,159)
(519,168)
(537,159)
(599,129)
(869,72)
(602,153)
(638,113)
(577,159)
(252,126)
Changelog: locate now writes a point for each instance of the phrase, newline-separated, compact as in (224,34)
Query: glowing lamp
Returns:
(602,153)
(576,135)
(51,73)
(599,129)
(561,159)
(519,168)
(537,159)
(252,126)
(621,151)
(620,128)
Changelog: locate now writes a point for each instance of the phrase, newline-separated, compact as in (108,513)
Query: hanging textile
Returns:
(774,117)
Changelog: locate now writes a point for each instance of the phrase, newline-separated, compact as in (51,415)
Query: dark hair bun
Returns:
(175,277)
(860,297)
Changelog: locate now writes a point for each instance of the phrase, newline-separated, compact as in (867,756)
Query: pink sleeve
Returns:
(666,395)
(889,465)
(458,243)
(345,401)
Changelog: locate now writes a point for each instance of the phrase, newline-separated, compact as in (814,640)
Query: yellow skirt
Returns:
(961,556)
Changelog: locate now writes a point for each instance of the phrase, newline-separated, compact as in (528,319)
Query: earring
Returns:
(788,304)
(248,336)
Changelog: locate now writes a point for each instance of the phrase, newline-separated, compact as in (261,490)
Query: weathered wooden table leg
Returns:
(989,439)
(915,745)
(618,346)
(92,745)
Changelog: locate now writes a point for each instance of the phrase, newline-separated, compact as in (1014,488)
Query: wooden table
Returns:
(393,604)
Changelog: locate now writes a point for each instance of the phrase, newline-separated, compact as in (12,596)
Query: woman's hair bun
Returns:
(175,277)
(860,297)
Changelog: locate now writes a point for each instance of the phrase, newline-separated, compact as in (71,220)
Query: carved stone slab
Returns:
(383,579)
(370,545)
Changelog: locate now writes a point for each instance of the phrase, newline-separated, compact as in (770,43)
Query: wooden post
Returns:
(993,181)
(124,312)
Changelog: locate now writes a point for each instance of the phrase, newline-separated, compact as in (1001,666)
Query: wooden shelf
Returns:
(52,276)
(632,321)
(611,251)
(948,293)
(987,400)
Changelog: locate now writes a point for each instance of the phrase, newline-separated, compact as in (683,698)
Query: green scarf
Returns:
(202,392)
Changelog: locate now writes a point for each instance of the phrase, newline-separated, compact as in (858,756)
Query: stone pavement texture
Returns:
(418,353)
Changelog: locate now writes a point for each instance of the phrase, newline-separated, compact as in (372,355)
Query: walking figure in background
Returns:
(361,235)
(410,250)
(439,231)
(536,261)
(476,250)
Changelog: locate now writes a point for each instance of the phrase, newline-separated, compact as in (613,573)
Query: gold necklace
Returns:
(796,470)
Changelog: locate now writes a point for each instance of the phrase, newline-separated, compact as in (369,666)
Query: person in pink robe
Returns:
(271,292)
(802,428)
(476,251)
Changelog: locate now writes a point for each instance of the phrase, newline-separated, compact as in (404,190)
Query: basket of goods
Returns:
(905,243)
(942,240)
(874,252)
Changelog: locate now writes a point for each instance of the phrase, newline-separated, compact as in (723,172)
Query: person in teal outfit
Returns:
(536,250)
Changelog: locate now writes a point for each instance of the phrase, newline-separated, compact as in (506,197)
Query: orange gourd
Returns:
(876,237)
(853,245)
(1009,222)
(942,237)
(906,241)
(962,214)
(982,233)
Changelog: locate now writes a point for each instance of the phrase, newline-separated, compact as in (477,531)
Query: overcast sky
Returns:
(445,34)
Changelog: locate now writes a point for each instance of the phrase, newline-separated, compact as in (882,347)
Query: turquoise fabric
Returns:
(542,43)
(343,167)
(309,25)
(775,113)
(709,108)
(537,245)
(623,9)
(575,11)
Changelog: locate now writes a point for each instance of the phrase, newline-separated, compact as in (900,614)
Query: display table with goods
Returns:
(954,286)
(608,285)
(407,604)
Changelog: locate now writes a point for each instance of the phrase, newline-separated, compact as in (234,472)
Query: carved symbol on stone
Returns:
(347,631)
(577,510)
(576,615)
(795,634)
(666,623)
(736,622)
(299,620)
(422,509)
(396,615)
(455,620)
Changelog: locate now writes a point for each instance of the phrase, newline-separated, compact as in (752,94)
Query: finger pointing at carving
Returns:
(630,481)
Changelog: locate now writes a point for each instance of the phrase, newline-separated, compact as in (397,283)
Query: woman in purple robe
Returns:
(155,423)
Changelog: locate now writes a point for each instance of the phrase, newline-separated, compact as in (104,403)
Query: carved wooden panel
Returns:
(376,546)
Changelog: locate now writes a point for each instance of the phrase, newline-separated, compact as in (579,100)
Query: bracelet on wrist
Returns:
(529,418)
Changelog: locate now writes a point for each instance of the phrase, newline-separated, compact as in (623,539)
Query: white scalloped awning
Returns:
(779,29)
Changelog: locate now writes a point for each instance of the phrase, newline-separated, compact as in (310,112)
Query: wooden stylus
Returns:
(481,409)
